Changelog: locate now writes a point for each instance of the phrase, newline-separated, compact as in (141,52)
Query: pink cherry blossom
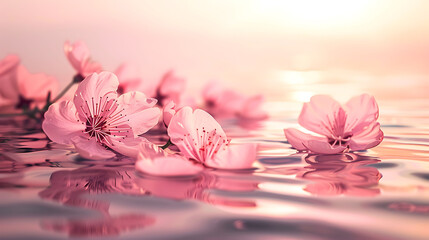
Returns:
(97,120)
(21,88)
(200,137)
(351,127)
(223,102)
(170,88)
(170,109)
(79,57)
(155,161)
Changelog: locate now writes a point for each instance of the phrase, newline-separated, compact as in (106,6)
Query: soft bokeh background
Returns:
(287,50)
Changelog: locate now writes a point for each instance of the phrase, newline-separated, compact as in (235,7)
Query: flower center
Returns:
(206,144)
(210,142)
(97,127)
(339,140)
(104,119)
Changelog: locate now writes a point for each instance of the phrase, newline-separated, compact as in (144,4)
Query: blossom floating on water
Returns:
(21,89)
(201,141)
(351,127)
(200,137)
(97,120)
(80,58)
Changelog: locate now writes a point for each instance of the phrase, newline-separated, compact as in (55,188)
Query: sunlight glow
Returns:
(315,14)
(302,96)
(301,77)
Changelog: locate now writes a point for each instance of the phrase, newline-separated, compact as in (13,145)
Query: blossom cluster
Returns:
(110,111)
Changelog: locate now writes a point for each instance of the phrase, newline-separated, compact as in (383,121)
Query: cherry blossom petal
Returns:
(149,151)
(94,91)
(368,137)
(361,111)
(168,112)
(91,149)
(8,73)
(79,57)
(127,146)
(140,111)
(61,123)
(320,114)
(153,160)
(323,147)
(298,139)
(182,132)
(203,119)
(36,86)
(76,53)
(235,157)
(187,129)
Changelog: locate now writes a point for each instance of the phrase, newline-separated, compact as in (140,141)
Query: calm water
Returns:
(48,192)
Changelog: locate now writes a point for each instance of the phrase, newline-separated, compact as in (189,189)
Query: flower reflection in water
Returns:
(199,187)
(71,187)
(410,207)
(99,227)
(346,174)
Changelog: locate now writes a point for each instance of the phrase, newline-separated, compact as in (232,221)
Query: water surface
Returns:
(49,192)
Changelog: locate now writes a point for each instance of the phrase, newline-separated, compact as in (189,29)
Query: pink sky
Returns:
(252,42)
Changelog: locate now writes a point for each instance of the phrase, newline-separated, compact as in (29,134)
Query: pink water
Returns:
(49,192)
